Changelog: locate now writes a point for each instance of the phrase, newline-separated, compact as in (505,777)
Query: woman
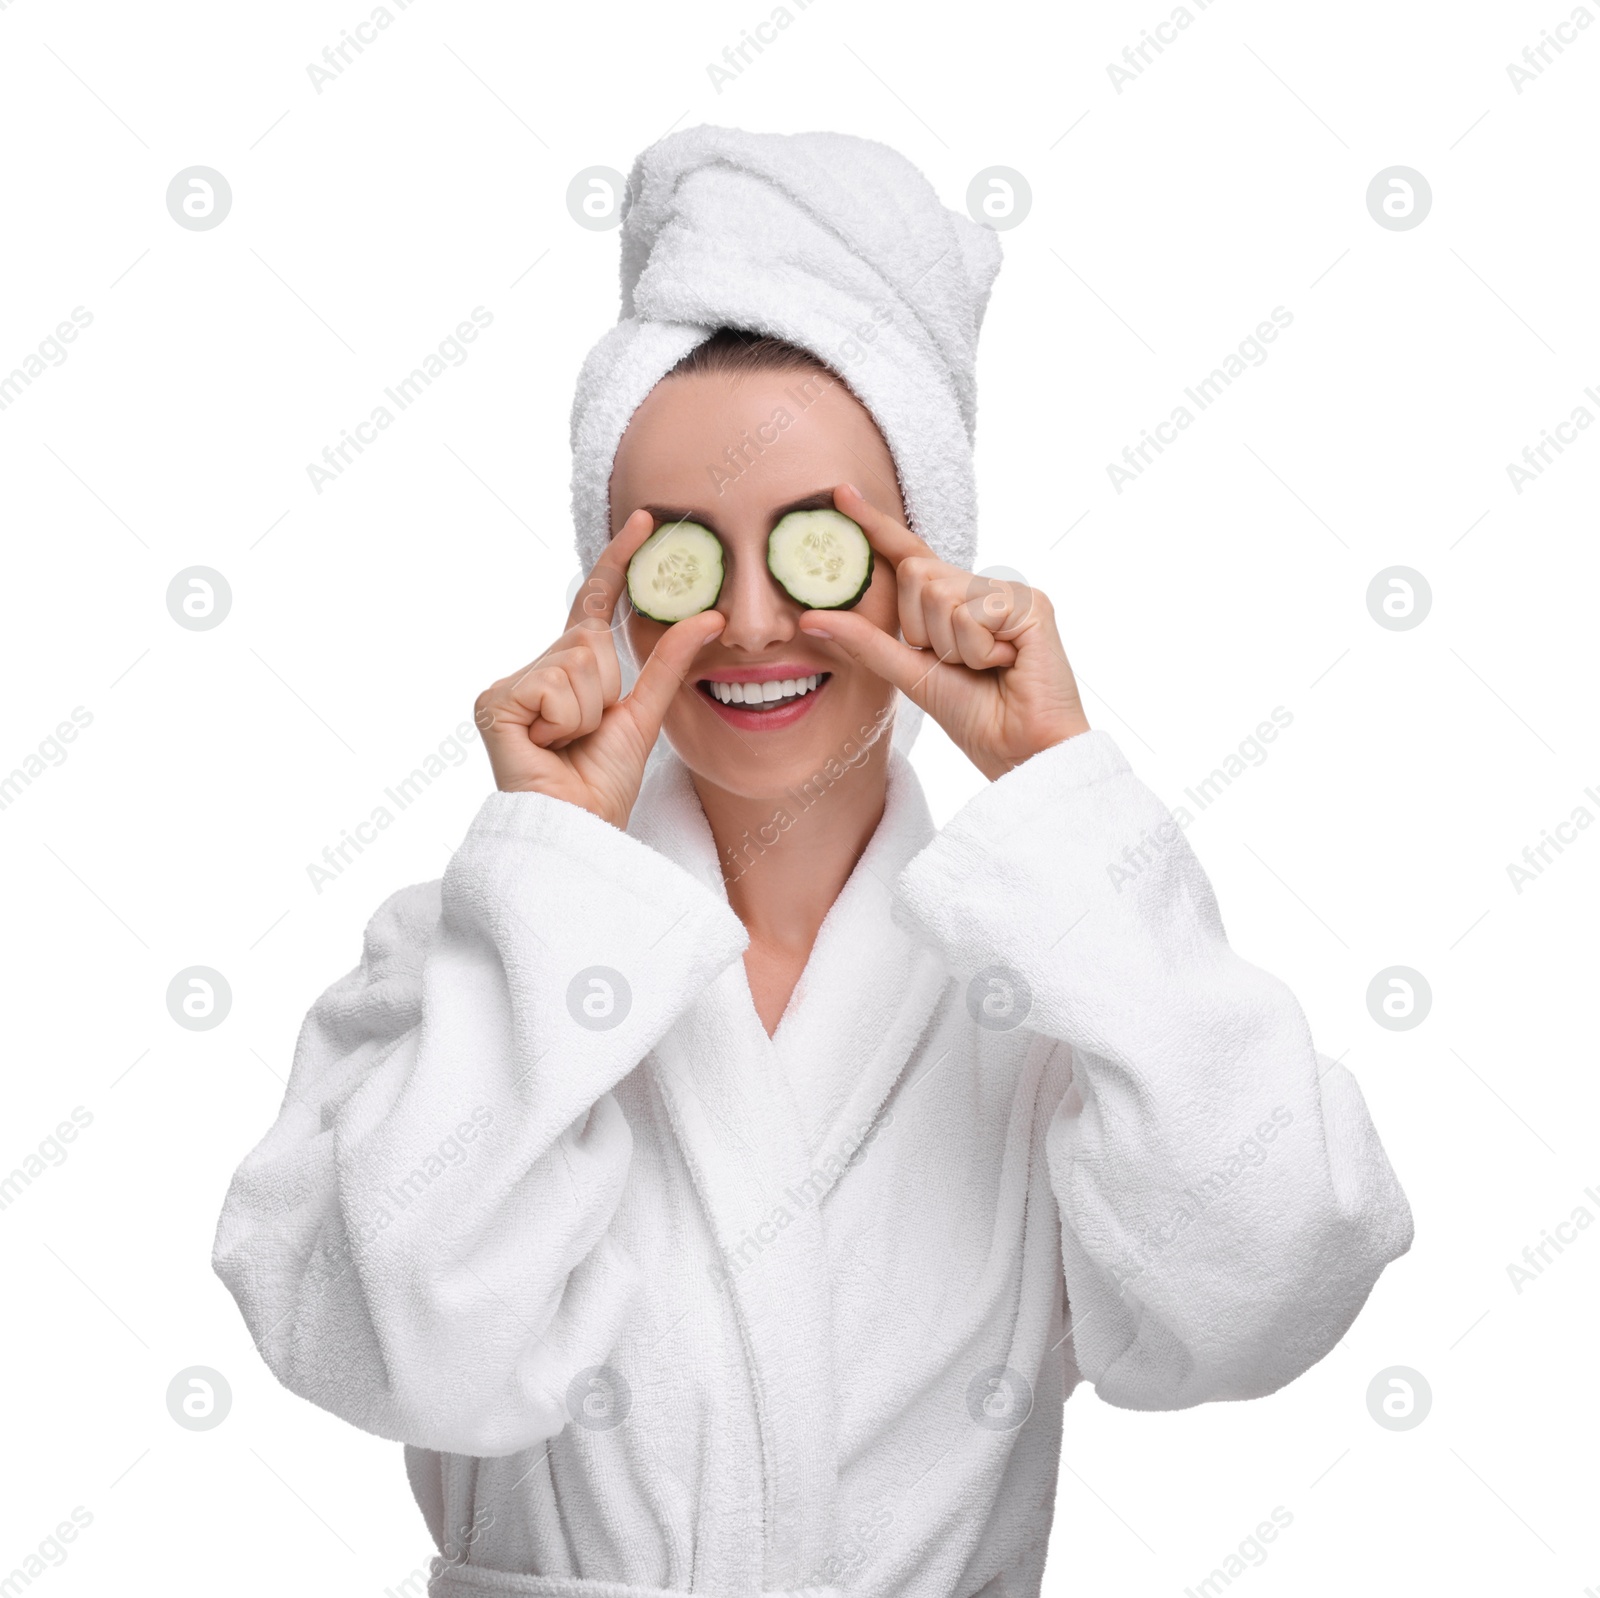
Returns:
(720,1178)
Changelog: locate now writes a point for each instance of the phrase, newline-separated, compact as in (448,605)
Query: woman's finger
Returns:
(911,578)
(915,672)
(544,703)
(665,672)
(1002,607)
(583,673)
(596,600)
(508,702)
(556,714)
(937,619)
(977,646)
(890,538)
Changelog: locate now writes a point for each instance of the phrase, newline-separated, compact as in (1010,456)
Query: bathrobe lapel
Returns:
(867,994)
(767,1126)
(739,1129)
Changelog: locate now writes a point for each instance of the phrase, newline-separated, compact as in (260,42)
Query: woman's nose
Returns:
(759,613)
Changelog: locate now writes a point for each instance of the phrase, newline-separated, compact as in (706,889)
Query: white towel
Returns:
(837,244)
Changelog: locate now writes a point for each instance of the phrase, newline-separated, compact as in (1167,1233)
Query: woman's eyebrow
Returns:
(822,499)
(672,513)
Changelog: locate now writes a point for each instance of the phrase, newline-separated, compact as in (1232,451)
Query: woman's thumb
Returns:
(884,655)
(665,672)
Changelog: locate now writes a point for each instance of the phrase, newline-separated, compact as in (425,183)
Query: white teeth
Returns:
(758,693)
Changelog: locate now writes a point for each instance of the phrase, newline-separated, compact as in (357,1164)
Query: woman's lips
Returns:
(747,718)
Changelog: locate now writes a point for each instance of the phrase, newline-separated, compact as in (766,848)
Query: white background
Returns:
(1167,220)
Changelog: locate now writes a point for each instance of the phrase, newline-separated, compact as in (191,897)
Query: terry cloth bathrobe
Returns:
(661,1305)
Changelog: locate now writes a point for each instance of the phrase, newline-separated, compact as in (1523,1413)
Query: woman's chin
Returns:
(777,759)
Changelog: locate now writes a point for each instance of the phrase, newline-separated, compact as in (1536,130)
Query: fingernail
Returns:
(854,490)
(816,632)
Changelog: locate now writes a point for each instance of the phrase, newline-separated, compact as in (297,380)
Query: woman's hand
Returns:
(557,727)
(981,656)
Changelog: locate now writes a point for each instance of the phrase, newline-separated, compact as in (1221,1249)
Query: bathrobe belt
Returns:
(453,1580)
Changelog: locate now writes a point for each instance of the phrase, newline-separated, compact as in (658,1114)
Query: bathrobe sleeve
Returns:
(1226,1205)
(419,1244)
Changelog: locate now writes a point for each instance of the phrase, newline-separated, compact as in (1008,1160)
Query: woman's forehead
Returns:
(708,444)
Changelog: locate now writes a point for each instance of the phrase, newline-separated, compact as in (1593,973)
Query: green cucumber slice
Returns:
(821,558)
(676,572)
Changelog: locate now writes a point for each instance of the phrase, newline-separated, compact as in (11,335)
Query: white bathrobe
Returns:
(661,1305)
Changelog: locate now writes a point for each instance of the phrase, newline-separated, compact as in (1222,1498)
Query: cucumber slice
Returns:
(821,558)
(676,572)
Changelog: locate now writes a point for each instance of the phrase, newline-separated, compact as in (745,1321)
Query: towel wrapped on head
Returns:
(833,243)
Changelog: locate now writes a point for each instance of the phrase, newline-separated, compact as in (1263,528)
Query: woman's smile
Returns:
(763,698)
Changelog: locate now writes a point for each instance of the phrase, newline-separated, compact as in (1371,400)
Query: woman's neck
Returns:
(786,858)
